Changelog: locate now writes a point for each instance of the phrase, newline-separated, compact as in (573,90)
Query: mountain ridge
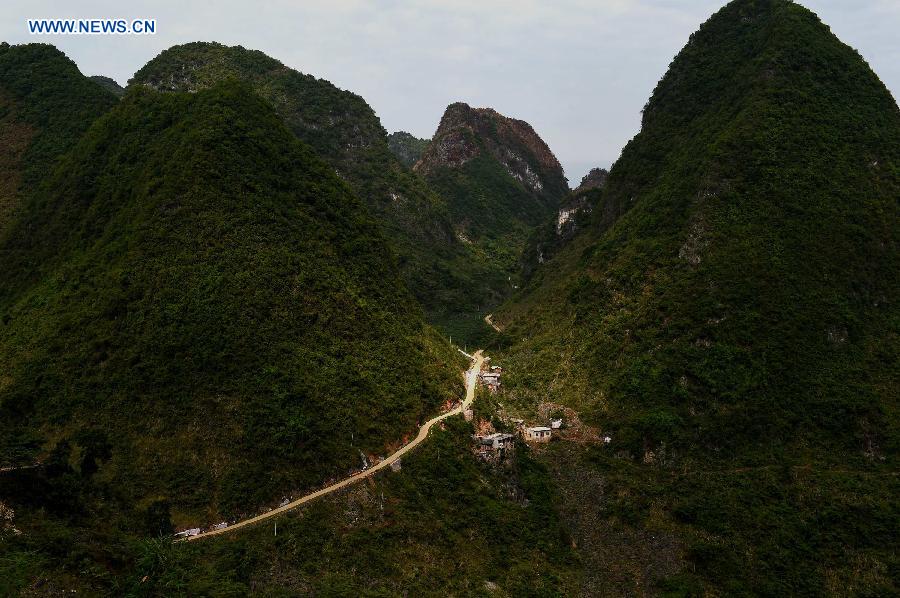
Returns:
(500,181)
(451,146)
(46,103)
(344,130)
(193,261)
(727,317)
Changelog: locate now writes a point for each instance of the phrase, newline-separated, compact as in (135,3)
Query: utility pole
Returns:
(276,528)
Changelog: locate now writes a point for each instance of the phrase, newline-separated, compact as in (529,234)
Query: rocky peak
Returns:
(465,132)
(595,179)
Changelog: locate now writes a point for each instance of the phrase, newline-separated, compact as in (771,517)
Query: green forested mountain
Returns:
(205,305)
(108,84)
(45,105)
(343,129)
(730,316)
(500,181)
(406,147)
(575,212)
(198,313)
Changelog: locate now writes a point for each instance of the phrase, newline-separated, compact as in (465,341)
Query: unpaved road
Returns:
(489,320)
(471,381)
(19,468)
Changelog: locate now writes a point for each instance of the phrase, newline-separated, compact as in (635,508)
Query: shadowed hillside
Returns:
(45,105)
(733,305)
(344,130)
(197,311)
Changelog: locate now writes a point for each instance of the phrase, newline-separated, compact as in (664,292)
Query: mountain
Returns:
(729,317)
(500,180)
(595,179)
(45,105)
(198,315)
(406,147)
(108,84)
(344,130)
(573,215)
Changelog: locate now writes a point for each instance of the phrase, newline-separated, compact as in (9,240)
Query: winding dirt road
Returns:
(489,320)
(471,381)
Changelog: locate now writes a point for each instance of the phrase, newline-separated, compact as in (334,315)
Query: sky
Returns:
(578,70)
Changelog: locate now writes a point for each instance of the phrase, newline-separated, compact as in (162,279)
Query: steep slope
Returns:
(407,148)
(595,179)
(198,313)
(45,105)
(108,84)
(342,128)
(573,215)
(732,311)
(500,180)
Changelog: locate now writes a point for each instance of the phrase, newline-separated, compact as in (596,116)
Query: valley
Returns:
(239,321)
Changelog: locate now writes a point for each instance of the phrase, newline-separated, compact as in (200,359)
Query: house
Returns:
(538,434)
(496,441)
(555,424)
(490,378)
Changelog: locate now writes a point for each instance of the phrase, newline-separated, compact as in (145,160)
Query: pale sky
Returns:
(578,70)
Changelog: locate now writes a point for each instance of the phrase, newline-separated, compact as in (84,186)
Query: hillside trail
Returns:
(489,320)
(471,381)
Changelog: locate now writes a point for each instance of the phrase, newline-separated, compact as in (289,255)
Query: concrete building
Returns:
(490,378)
(496,441)
(538,434)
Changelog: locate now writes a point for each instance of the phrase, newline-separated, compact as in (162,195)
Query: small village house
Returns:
(538,434)
(496,441)
(491,380)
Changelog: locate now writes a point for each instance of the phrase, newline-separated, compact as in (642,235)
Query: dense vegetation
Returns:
(197,312)
(546,240)
(406,147)
(497,186)
(445,524)
(342,128)
(45,105)
(198,316)
(108,84)
(732,309)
